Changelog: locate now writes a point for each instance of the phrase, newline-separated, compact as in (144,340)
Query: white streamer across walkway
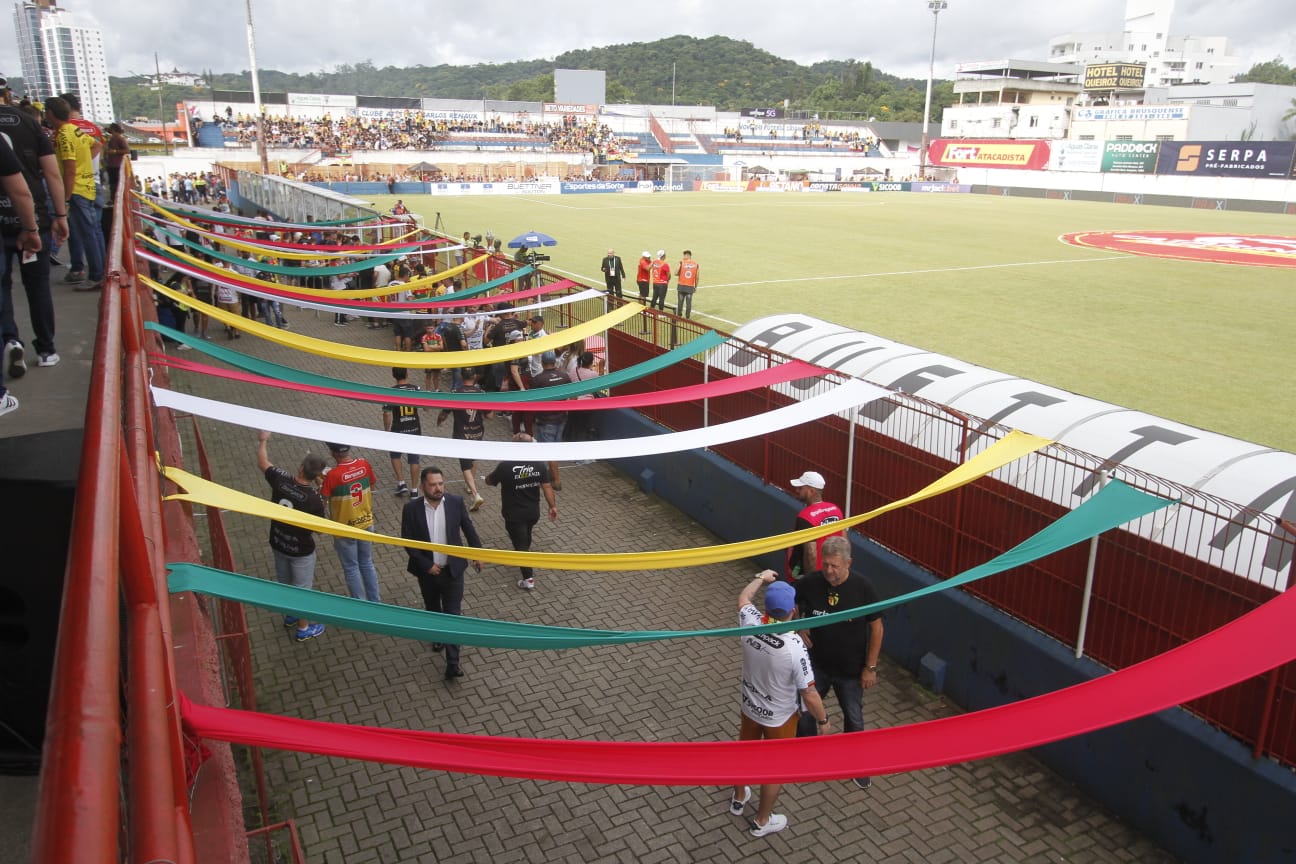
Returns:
(845,397)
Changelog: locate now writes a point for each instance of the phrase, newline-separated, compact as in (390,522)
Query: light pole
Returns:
(256,92)
(935,6)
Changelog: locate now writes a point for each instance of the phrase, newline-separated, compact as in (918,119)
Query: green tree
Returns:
(1273,71)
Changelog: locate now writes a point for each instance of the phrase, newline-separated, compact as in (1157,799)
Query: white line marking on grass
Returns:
(919,272)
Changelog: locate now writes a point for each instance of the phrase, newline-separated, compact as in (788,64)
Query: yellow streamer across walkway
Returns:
(408,359)
(199,491)
(248,246)
(350,294)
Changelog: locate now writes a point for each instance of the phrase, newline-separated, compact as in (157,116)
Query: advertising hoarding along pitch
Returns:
(1130,157)
(989,153)
(1227,158)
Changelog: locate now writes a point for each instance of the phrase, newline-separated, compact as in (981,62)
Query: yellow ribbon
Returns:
(408,359)
(199,491)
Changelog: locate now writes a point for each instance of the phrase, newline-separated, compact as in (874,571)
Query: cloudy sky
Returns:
(193,35)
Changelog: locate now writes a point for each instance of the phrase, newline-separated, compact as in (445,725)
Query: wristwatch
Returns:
(872,668)
(823,722)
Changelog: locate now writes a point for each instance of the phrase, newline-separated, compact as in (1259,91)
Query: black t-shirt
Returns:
(839,649)
(452,338)
(469,423)
(519,484)
(405,418)
(500,332)
(27,144)
(550,378)
(287,492)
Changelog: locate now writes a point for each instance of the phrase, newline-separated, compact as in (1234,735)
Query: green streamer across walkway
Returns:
(257,366)
(1114,505)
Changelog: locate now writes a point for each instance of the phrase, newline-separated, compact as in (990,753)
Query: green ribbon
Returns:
(1114,505)
(257,366)
(281,269)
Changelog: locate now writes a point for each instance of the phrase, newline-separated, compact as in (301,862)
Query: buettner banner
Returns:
(992,153)
(1227,158)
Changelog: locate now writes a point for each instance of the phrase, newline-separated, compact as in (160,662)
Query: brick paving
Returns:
(1009,808)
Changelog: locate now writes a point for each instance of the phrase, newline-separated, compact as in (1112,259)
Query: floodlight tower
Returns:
(936,6)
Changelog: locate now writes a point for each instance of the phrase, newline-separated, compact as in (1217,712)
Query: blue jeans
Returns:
(850,696)
(549,432)
(295,570)
(358,568)
(83,220)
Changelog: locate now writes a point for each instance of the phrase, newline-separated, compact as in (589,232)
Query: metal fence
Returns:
(1150,588)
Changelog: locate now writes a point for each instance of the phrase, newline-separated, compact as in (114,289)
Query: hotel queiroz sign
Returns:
(1114,76)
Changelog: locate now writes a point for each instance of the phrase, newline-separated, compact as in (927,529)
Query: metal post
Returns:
(850,461)
(256,92)
(935,6)
(166,144)
(1103,477)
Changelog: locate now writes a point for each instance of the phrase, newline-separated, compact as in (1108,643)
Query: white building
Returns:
(1147,39)
(1013,99)
(60,56)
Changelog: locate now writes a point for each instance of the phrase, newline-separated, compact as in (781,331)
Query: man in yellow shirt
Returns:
(76,149)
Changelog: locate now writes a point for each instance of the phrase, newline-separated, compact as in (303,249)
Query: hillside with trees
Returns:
(727,73)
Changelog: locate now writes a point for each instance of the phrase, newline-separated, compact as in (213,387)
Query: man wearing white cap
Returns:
(777,678)
(805,557)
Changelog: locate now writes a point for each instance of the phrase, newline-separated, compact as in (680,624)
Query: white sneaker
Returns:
(526,584)
(51,359)
(776,823)
(15,366)
(736,805)
(477,502)
(8,403)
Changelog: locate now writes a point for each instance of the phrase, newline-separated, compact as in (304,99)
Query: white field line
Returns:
(919,272)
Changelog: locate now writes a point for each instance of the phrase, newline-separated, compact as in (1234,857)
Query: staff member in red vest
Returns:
(642,277)
(661,276)
(805,557)
(686,287)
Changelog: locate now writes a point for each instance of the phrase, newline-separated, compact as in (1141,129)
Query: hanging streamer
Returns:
(1114,505)
(409,359)
(1249,646)
(699,345)
(200,491)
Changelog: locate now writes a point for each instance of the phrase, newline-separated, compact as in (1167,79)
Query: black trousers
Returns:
(444,593)
(519,533)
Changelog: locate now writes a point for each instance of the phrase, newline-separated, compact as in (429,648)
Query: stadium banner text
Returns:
(1227,158)
(1030,155)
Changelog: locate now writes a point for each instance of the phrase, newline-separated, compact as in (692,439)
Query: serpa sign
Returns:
(1114,76)
(1259,477)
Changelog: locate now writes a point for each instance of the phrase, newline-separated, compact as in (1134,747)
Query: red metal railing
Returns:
(1147,597)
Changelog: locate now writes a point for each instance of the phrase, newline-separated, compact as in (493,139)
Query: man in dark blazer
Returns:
(613,273)
(438,517)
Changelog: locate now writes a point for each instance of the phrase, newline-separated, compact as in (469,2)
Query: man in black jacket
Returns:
(439,518)
(613,273)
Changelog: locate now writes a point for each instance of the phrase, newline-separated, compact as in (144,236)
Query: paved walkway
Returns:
(1005,809)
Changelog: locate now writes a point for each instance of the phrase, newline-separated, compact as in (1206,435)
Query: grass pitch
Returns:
(977,277)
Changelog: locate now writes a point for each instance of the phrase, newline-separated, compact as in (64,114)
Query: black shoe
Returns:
(863,782)
(453,672)
(438,647)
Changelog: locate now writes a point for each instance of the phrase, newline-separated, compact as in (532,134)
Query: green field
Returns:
(977,277)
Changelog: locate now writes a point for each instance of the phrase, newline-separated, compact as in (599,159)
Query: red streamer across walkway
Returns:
(791,371)
(411,247)
(1248,646)
(229,277)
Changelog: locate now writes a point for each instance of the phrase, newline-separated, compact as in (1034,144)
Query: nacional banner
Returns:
(1130,157)
(1227,158)
(989,153)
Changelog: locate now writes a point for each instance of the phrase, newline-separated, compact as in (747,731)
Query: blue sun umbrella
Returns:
(532,240)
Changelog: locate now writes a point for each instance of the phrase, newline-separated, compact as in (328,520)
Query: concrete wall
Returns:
(1189,787)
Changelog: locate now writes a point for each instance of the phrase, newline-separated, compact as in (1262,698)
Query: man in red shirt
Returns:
(661,274)
(643,275)
(805,557)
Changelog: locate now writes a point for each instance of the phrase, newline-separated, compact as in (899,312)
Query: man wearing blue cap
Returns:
(777,677)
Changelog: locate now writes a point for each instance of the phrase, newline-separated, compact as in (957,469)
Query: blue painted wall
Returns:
(1192,789)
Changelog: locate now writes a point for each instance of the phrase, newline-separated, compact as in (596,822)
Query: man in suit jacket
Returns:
(439,518)
(613,273)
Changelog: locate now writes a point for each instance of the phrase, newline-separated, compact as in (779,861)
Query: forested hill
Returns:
(727,73)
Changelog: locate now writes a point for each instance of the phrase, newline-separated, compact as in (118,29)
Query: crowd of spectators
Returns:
(415,130)
(808,133)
